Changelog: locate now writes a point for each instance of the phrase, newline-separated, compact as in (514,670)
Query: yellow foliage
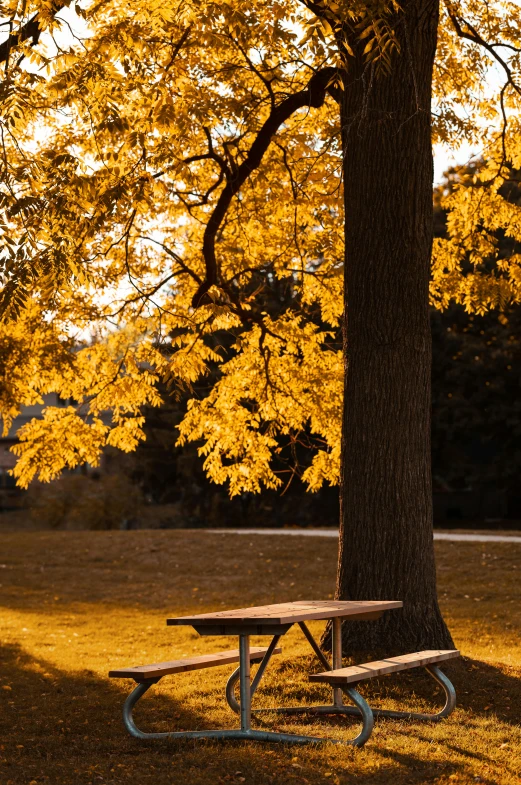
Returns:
(117,151)
(60,440)
(278,384)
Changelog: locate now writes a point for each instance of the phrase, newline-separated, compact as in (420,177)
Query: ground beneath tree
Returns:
(75,604)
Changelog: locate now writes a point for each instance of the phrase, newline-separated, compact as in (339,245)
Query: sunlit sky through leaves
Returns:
(75,29)
(116,223)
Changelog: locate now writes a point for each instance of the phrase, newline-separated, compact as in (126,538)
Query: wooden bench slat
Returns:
(159,669)
(369,670)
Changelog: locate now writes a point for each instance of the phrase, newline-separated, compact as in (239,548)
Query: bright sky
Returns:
(444,158)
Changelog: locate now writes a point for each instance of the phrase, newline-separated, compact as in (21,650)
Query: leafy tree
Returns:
(476,410)
(153,172)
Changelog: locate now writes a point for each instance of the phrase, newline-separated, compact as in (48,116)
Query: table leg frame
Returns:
(335,708)
(336,630)
(360,709)
(245,732)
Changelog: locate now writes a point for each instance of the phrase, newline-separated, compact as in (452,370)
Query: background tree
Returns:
(187,149)
(476,414)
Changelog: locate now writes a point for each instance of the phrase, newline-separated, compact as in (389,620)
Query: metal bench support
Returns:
(245,732)
(361,707)
(450,701)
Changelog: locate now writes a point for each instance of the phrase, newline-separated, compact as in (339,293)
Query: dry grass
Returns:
(75,604)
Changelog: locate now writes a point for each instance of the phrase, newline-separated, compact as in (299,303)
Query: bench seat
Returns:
(369,670)
(156,671)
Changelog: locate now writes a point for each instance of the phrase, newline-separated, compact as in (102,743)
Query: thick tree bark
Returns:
(386,547)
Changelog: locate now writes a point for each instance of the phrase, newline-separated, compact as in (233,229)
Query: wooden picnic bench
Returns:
(143,673)
(420,659)
(275,620)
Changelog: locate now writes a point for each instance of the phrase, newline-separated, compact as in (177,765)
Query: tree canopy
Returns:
(171,204)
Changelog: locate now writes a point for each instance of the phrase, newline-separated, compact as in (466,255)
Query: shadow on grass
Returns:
(488,689)
(482,689)
(65,728)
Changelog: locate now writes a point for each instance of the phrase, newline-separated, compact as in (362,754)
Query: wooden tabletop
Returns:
(287,612)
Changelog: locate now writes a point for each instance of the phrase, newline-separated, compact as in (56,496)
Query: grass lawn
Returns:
(75,604)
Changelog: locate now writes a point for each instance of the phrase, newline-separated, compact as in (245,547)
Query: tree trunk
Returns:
(386,546)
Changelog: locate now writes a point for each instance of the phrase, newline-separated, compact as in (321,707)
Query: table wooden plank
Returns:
(288,612)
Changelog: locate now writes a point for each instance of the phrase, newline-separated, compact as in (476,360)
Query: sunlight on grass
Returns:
(76,604)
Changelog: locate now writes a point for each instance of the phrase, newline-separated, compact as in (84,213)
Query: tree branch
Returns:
(471,34)
(184,267)
(30,29)
(320,10)
(312,96)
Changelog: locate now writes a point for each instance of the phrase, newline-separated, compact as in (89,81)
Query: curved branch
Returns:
(31,29)
(471,34)
(312,96)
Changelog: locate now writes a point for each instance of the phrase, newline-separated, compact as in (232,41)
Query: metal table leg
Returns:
(362,709)
(233,703)
(245,731)
(337,657)
(244,682)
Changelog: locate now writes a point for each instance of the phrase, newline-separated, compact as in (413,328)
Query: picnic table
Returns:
(275,621)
